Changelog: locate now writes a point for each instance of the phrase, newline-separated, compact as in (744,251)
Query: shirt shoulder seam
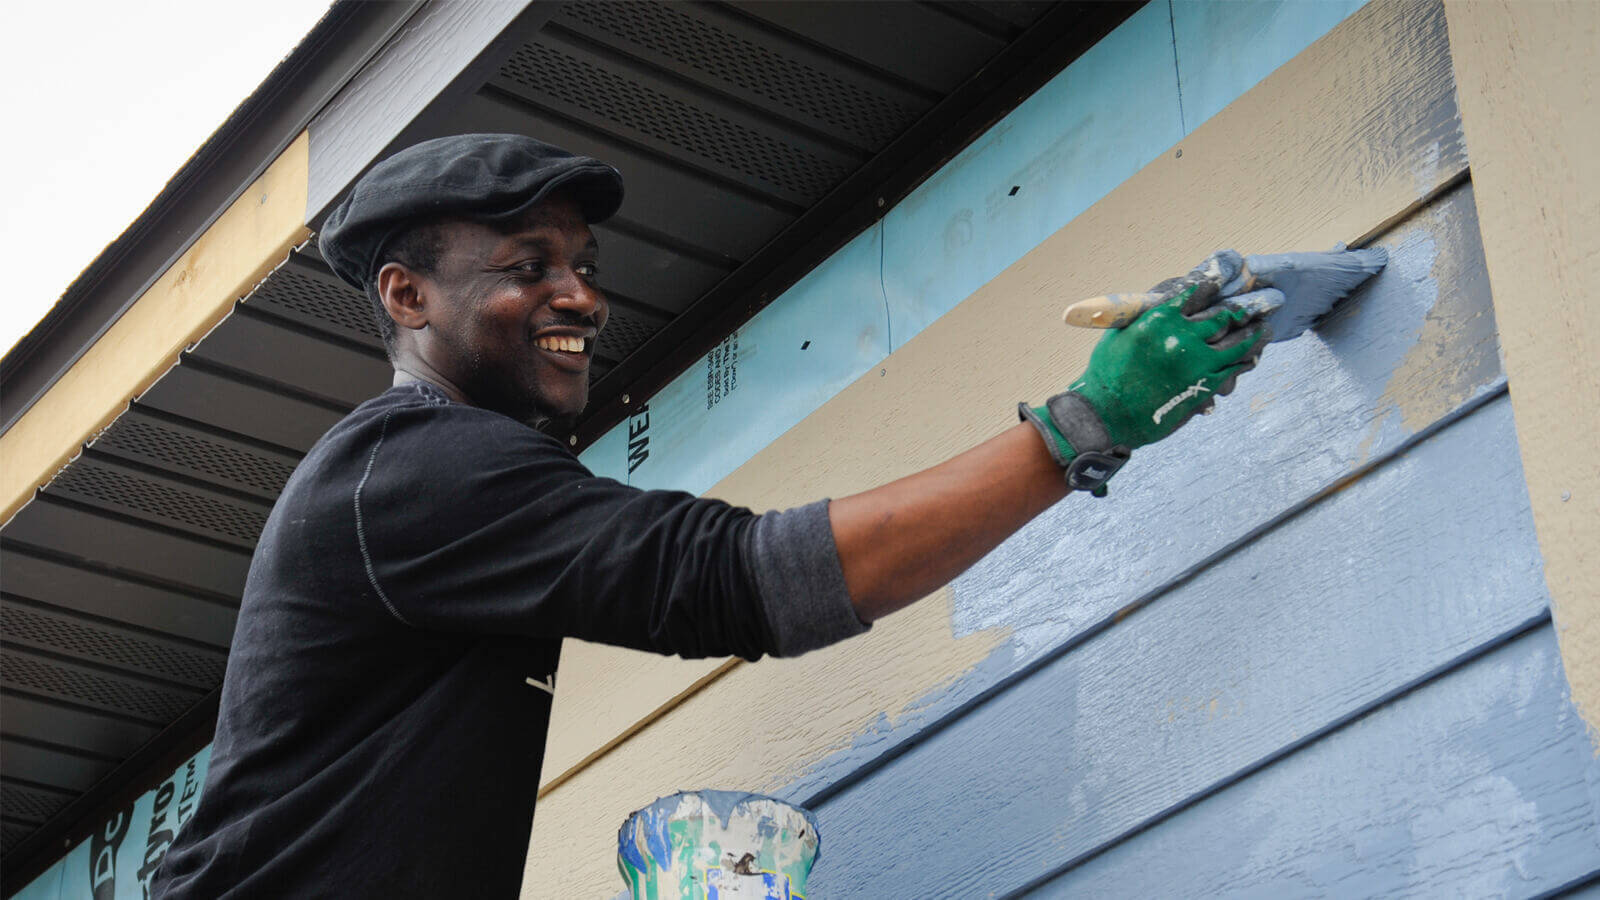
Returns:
(361,532)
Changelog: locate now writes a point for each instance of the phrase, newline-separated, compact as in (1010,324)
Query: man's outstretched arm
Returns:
(901,541)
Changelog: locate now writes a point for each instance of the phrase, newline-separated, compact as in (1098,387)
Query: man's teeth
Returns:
(568,344)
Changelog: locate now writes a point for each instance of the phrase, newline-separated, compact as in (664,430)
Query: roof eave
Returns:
(340,43)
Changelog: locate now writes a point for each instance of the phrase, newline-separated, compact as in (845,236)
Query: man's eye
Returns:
(531,267)
(588,270)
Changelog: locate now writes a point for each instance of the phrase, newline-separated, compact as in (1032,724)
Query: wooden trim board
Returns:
(245,243)
(1528,84)
(1344,140)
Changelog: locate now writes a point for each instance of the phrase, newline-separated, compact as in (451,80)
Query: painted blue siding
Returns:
(1324,617)
(1318,412)
(1477,784)
(1299,599)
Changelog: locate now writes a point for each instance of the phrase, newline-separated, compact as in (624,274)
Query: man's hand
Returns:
(1146,380)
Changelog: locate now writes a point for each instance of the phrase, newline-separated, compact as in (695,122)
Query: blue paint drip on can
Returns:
(718,843)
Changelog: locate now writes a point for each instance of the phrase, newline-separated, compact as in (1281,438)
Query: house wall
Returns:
(1111,112)
(1304,647)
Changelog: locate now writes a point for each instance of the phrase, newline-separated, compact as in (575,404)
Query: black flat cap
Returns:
(483,177)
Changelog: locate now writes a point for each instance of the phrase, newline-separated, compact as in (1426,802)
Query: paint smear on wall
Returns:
(1458,347)
(1315,408)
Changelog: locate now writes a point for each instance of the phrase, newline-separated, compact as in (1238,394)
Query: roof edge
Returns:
(347,36)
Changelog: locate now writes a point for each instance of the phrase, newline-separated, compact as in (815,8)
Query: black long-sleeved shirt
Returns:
(384,709)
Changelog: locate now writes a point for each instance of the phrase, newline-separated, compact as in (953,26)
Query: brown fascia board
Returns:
(338,45)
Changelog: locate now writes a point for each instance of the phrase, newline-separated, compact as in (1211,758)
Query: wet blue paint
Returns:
(1310,283)
(1305,418)
(654,822)
(1404,574)
(1291,291)
(1499,807)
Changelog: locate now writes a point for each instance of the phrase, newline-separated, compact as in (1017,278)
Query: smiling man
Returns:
(384,710)
(507,318)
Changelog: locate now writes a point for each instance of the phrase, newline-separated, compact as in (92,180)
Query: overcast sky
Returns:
(104,102)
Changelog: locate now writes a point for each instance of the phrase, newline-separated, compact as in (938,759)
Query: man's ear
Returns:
(400,289)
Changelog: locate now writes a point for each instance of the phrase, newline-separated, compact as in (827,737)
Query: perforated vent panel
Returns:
(152,499)
(326,303)
(12,835)
(624,331)
(76,637)
(214,460)
(36,805)
(544,71)
(151,704)
(872,119)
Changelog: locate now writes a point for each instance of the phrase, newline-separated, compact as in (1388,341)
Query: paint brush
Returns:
(1306,286)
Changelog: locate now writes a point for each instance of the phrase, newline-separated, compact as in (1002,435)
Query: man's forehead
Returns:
(555,219)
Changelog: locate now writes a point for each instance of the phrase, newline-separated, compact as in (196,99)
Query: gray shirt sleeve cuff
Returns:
(794,564)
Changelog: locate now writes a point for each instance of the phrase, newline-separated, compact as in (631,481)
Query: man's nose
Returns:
(580,297)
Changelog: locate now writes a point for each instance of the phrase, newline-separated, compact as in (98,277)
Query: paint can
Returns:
(718,845)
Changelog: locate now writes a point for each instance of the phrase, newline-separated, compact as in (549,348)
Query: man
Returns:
(384,710)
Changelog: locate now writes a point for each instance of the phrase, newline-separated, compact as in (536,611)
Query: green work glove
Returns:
(1146,380)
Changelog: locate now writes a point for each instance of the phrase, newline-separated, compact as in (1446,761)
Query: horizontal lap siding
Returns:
(1476,784)
(1366,593)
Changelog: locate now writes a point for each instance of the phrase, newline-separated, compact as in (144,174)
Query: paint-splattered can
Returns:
(718,845)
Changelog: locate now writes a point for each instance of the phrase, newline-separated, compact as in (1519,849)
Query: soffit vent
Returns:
(155,705)
(871,120)
(33,804)
(147,498)
(300,291)
(625,329)
(543,72)
(12,835)
(77,637)
(194,454)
